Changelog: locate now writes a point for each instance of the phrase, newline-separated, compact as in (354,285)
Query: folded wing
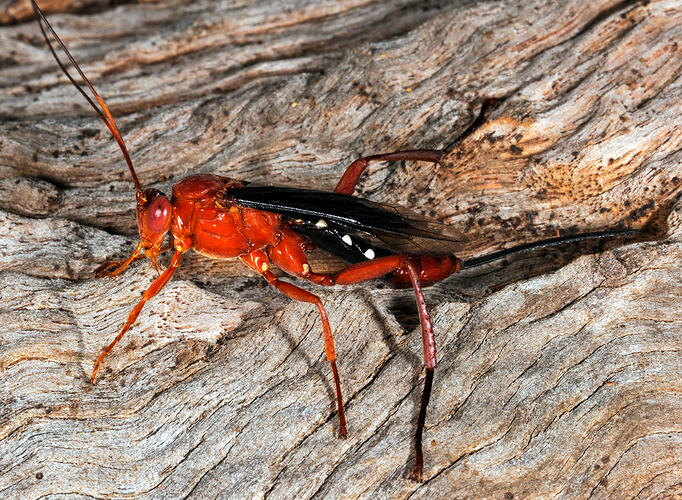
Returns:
(348,226)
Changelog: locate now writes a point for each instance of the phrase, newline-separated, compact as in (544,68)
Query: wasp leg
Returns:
(363,271)
(377,268)
(352,174)
(116,267)
(258,260)
(289,255)
(153,289)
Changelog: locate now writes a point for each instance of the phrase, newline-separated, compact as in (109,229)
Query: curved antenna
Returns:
(102,110)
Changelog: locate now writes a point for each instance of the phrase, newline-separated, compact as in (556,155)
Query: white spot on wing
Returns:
(320,224)
(369,253)
(347,239)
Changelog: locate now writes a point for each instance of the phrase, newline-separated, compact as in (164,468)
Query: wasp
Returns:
(271,226)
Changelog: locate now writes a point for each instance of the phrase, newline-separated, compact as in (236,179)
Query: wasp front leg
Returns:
(153,289)
(116,267)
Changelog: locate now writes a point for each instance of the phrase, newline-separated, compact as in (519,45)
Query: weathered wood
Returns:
(555,378)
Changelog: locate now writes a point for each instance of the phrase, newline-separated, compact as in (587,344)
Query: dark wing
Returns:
(326,217)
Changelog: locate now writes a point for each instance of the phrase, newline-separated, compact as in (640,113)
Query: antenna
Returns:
(102,109)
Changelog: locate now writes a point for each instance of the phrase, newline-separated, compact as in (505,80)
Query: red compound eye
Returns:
(159,212)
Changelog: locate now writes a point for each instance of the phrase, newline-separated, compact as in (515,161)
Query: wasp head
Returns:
(153,221)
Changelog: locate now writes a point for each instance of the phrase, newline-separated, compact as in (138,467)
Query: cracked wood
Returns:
(557,376)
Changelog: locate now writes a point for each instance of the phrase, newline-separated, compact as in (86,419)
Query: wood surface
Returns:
(559,375)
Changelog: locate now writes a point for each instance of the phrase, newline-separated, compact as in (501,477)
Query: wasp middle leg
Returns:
(258,260)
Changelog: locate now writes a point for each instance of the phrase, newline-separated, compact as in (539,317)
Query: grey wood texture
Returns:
(559,375)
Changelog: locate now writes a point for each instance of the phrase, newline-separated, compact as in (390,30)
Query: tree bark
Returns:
(559,374)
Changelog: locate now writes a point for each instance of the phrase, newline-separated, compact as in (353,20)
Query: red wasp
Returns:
(263,226)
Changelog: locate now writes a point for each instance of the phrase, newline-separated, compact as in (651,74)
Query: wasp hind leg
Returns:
(353,173)
(289,255)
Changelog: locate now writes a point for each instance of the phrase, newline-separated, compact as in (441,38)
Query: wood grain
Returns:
(559,374)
